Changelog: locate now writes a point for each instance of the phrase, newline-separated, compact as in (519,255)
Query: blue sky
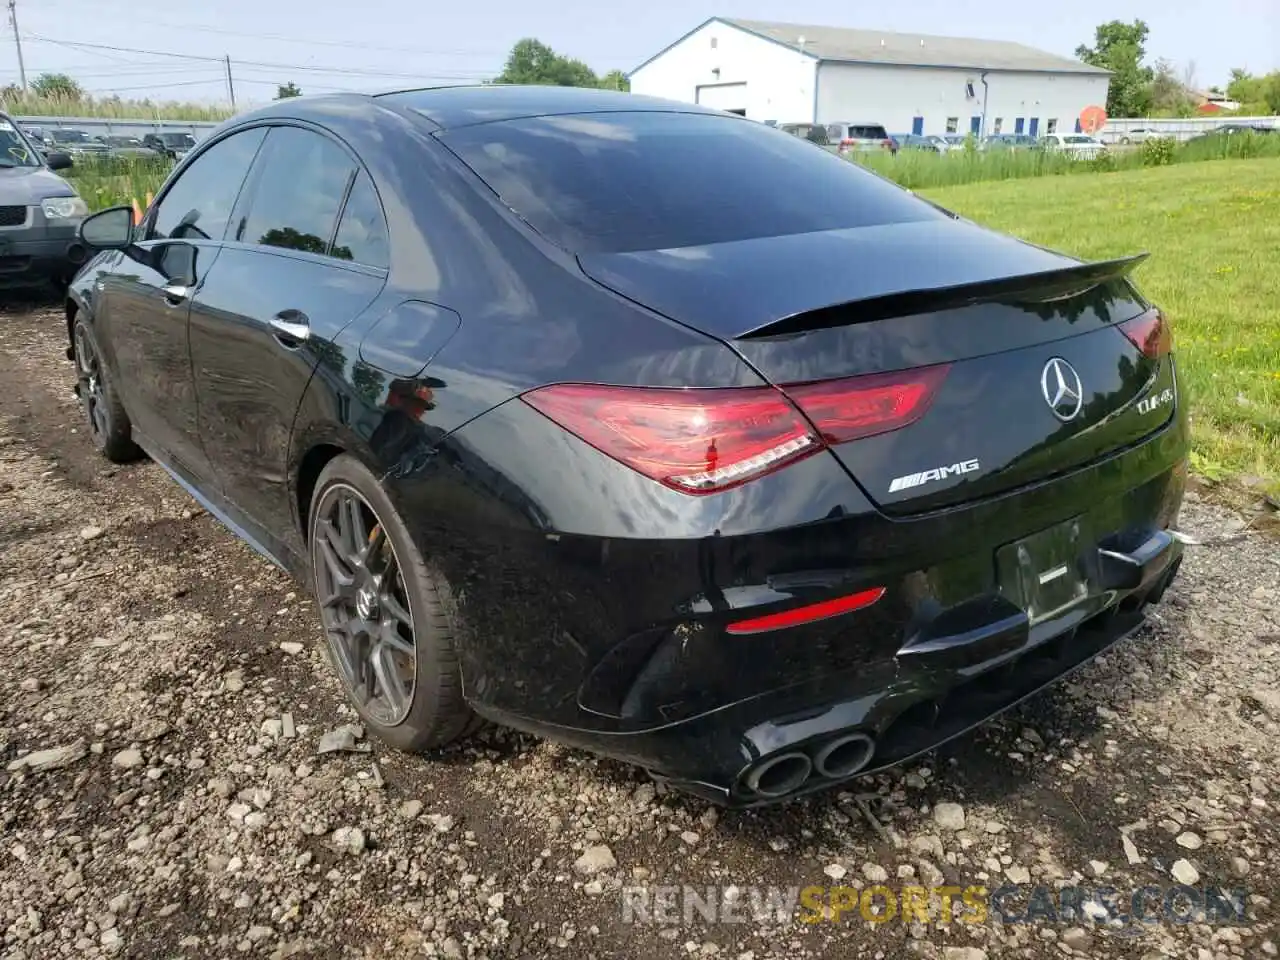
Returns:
(323,45)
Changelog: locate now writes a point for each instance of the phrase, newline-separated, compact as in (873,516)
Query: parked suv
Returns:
(39,213)
(857,137)
(173,145)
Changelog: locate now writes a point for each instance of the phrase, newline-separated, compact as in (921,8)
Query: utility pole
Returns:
(17,42)
(231,87)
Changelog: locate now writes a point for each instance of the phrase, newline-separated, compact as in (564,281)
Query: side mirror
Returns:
(111,229)
(58,161)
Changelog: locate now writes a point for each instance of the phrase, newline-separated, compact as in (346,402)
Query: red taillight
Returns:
(806,614)
(696,441)
(846,142)
(888,144)
(1149,332)
(705,441)
(857,407)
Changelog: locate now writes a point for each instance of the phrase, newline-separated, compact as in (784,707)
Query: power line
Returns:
(351,45)
(300,67)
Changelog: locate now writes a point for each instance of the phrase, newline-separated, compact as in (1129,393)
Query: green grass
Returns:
(1213,230)
(919,169)
(111,109)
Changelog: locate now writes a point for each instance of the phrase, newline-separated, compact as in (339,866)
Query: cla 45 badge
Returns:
(1155,401)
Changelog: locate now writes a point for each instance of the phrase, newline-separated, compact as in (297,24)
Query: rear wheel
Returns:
(387,629)
(109,425)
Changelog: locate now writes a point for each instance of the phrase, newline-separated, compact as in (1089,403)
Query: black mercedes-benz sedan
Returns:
(640,426)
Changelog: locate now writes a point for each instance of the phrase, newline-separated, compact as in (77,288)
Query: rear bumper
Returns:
(595,602)
(897,708)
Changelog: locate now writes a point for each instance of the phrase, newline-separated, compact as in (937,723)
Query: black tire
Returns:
(109,425)
(437,713)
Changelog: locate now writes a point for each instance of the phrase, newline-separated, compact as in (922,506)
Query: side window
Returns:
(362,232)
(199,204)
(299,189)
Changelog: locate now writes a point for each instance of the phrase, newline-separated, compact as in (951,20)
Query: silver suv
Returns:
(859,137)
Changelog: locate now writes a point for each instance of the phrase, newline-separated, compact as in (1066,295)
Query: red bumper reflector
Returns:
(807,614)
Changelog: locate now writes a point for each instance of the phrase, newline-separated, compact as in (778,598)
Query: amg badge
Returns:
(928,476)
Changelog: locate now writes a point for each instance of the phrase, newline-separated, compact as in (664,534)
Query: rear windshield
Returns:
(613,182)
(868,133)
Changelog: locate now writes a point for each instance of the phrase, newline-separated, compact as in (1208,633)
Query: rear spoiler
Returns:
(1042,287)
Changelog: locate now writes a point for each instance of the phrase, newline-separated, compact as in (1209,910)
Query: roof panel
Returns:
(462,106)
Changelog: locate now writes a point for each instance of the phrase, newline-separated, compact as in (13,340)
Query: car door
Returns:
(145,305)
(286,283)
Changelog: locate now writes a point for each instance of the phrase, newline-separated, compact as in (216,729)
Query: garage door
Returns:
(731,97)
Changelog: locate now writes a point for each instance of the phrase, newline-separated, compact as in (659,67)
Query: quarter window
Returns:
(199,204)
(303,177)
(362,232)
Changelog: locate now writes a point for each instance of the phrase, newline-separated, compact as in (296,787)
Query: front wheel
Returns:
(388,631)
(109,425)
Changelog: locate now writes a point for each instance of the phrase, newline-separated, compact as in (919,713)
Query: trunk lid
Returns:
(1015,325)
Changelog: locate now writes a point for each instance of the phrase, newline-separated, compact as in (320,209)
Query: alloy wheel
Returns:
(89,375)
(363,603)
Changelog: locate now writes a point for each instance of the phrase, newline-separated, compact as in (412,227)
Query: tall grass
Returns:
(919,169)
(110,108)
(110,182)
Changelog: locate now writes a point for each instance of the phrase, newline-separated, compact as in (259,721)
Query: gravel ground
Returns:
(162,793)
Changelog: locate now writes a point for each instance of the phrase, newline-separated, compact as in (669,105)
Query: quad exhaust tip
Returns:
(780,775)
(844,756)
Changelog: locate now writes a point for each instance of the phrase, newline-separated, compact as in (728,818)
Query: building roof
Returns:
(905,49)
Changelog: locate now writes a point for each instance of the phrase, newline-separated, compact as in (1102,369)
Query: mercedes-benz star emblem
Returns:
(1061,387)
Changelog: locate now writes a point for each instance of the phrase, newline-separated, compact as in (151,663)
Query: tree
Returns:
(57,86)
(532,61)
(290,89)
(1169,95)
(1120,47)
(1255,94)
(615,80)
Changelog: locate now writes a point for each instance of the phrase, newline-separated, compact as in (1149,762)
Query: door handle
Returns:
(176,293)
(291,328)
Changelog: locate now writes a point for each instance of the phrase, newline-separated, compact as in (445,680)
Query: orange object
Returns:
(1093,119)
(137,212)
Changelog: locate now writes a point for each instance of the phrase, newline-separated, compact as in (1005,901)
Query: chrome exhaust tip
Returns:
(780,775)
(844,756)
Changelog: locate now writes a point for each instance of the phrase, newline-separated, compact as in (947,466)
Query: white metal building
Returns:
(791,73)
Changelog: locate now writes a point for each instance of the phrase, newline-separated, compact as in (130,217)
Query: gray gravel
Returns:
(172,786)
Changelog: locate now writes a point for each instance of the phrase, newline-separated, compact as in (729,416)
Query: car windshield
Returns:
(178,139)
(1078,139)
(70,136)
(639,180)
(15,150)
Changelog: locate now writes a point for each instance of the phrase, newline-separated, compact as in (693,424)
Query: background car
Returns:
(1010,141)
(860,137)
(640,425)
(1138,135)
(813,132)
(129,147)
(912,141)
(75,142)
(954,141)
(1236,129)
(172,145)
(39,214)
(1079,146)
